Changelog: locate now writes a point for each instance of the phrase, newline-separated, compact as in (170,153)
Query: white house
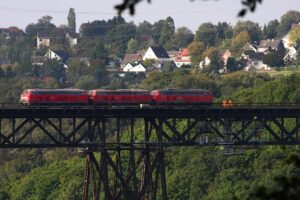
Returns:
(156,53)
(73,39)
(257,65)
(134,68)
(204,63)
(248,47)
(127,67)
(285,38)
(131,58)
(42,40)
(58,55)
(290,56)
(271,44)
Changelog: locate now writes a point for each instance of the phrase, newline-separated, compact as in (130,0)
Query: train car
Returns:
(120,97)
(71,96)
(182,96)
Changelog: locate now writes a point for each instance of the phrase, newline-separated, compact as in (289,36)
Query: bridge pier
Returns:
(138,172)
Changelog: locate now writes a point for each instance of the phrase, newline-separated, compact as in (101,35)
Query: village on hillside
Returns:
(122,48)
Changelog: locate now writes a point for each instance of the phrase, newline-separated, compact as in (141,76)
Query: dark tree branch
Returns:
(130,5)
(250,5)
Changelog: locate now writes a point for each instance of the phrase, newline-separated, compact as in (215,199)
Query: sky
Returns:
(186,13)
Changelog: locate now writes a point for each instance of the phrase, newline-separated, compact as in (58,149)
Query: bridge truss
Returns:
(125,147)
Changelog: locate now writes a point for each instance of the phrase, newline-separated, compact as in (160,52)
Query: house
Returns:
(225,54)
(72,38)
(204,63)
(285,38)
(156,53)
(290,56)
(134,68)
(250,47)
(271,44)
(254,61)
(42,40)
(38,60)
(131,58)
(58,55)
(11,32)
(128,67)
(183,58)
(173,54)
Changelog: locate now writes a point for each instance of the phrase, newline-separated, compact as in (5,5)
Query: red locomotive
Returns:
(54,96)
(123,96)
(116,97)
(182,96)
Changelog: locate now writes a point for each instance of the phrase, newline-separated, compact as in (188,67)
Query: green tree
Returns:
(224,31)
(294,36)
(231,65)
(196,49)
(215,60)
(167,32)
(99,51)
(148,62)
(273,59)
(270,30)
(53,68)
(43,26)
(252,28)
(239,41)
(286,21)
(182,38)
(157,29)
(206,33)
(298,57)
(132,46)
(86,82)
(72,20)
(94,29)
(144,28)
(118,36)
(76,69)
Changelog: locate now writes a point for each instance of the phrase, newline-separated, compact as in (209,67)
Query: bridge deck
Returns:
(134,112)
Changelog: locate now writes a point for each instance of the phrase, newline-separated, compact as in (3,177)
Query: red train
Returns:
(115,97)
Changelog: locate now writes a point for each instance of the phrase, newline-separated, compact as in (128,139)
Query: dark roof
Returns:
(12,31)
(255,56)
(269,43)
(43,35)
(131,58)
(64,55)
(160,52)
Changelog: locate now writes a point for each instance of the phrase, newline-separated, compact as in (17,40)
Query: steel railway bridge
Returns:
(129,143)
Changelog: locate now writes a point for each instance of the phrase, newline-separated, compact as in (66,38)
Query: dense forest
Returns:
(267,172)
